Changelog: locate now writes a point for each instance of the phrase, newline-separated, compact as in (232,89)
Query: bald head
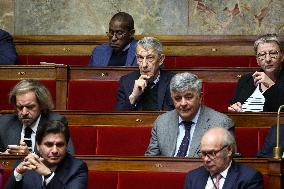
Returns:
(217,148)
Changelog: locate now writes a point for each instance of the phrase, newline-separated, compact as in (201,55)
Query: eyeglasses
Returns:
(211,154)
(149,59)
(272,54)
(117,34)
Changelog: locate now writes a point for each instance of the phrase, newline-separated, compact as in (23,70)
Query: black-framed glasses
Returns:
(149,59)
(212,153)
(272,54)
(117,34)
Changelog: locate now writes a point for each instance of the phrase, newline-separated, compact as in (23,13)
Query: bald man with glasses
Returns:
(219,170)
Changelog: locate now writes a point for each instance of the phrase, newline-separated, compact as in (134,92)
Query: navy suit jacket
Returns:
(70,173)
(101,55)
(239,177)
(126,85)
(8,53)
(270,142)
(11,128)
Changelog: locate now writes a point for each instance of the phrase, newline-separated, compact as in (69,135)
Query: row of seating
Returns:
(82,88)
(119,172)
(180,51)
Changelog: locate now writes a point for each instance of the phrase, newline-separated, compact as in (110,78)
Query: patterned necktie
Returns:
(185,141)
(216,183)
(28,138)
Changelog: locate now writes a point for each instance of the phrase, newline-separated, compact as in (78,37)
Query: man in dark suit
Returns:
(219,170)
(33,104)
(120,51)
(178,132)
(270,142)
(8,53)
(53,168)
(148,88)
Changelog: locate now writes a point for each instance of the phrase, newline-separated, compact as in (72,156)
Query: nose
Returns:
(54,149)
(183,101)
(25,111)
(114,38)
(267,57)
(144,63)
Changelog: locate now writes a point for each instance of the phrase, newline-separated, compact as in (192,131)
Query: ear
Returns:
(230,150)
(132,32)
(162,58)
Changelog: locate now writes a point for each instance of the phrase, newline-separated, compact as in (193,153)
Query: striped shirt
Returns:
(255,102)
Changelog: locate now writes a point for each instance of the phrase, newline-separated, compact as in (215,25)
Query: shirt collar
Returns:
(34,125)
(225,172)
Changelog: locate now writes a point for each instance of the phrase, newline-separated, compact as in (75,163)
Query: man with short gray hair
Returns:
(178,132)
(148,88)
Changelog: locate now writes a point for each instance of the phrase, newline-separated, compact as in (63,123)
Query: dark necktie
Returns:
(28,138)
(185,141)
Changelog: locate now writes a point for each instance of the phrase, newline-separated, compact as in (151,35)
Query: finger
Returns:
(144,77)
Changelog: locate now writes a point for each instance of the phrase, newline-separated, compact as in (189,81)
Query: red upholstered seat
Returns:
(6,174)
(102,180)
(92,95)
(218,95)
(209,61)
(131,141)
(150,180)
(7,85)
(84,139)
(247,141)
(262,135)
(72,60)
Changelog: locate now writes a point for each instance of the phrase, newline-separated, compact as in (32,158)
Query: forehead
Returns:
(267,46)
(211,141)
(53,138)
(117,25)
(29,96)
(140,50)
(184,93)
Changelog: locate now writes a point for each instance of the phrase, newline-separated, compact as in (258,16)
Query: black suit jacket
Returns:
(8,53)
(270,142)
(239,177)
(11,128)
(274,96)
(126,85)
(70,173)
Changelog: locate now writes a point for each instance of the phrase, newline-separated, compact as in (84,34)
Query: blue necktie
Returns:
(185,141)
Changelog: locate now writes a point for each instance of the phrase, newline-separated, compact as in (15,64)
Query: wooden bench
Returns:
(181,51)
(116,172)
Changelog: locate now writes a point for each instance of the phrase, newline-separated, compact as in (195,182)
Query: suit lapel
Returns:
(200,127)
(173,130)
(106,58)
(162,87)
(231,176)
(131,53)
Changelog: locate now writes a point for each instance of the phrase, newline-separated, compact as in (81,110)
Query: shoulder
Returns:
(200,171)
(131,76)
(166,73)
(4,34)
(8,118)
(72,161)
(167,116)
(101,48)
(248,171)
(53,116)
(215,115)
(245,77)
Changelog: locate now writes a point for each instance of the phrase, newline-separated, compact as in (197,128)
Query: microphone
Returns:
(277,151)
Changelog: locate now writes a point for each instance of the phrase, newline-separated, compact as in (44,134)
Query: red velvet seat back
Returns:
(247,141)
(71,60)
(130,141)
(262,135)
(218,95)
(84,139)
(7,85)
(102,180)
(209,61)
(150,180)
(92,95)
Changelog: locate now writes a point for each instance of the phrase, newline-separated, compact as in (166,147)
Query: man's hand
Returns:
(237,107)
(262,78)
(21,149)
(35,163)
(139,86)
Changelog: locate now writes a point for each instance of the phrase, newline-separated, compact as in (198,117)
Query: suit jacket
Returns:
(165,131)
(70,173)
(274,96)
(270,142)
(126,84)
(11,128)
(239,177)
(101,55)
(8,53)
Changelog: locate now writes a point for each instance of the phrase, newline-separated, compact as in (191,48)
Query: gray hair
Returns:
(151,43)
(229,139)
(268,38)
(42,94)
(186,81)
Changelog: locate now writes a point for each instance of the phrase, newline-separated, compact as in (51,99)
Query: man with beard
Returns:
(219,170)
(33,105)
(148,88)
(120,51)
(53,167)
(177,133)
